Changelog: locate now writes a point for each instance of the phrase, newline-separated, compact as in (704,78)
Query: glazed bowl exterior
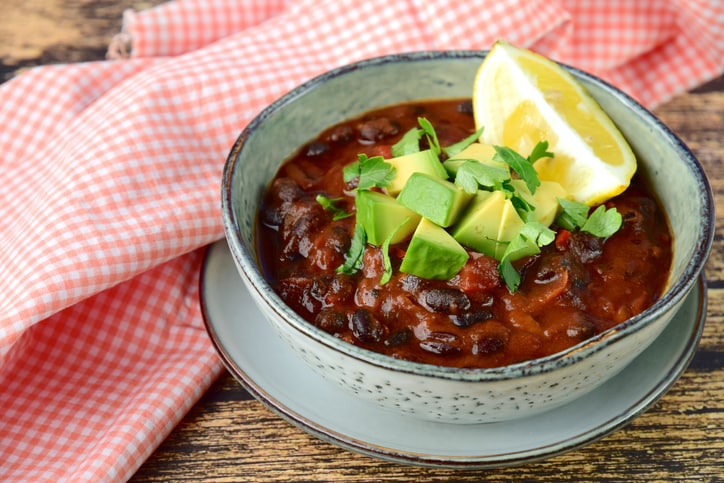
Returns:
(442,393)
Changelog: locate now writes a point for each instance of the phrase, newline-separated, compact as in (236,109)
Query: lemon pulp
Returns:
(520,98)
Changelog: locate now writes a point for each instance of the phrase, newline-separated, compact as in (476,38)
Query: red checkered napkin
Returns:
(110,185)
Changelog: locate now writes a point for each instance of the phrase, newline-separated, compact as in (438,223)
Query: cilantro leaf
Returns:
(351,171)
(522,206)
(509,274)
(456,148)
(329,205)
(520,165)
(527,242)
(372,172)
(573,214)
(540,150)
(601,223)
(386,262)
(354,256)
(409,143)
(431,135)
(538,232)
(472,174)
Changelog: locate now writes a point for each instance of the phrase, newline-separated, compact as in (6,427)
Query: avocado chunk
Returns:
(420,162)
(510,225)
(482,153)
(488,224)
(433,253)
(436,199)
(478,225)
(380,215)
(545,199)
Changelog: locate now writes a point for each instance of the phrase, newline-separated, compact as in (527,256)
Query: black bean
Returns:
(377,129)
(441,343)
(316,148)
(271,216)
(285,189)
(330,320)
(398,338)
(466,107)
(366,327)
(297,230)
(446,300)
(580,329)
(466,319)
(342,287)
(488,345)
(341,134)
(339,239)
(297,292)
(587,248)
(410,283)
(319,288)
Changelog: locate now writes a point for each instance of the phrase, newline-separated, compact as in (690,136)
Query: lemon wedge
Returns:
(520,98)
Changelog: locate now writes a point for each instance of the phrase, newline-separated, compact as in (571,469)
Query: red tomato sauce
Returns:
(577,287)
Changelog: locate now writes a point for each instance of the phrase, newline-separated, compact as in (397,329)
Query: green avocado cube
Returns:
(488,224)
(510,225)
(420,162)
(436,199)
(380,215)
(478,225)
(433,253)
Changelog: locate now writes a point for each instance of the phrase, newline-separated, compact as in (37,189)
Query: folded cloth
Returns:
(110,188)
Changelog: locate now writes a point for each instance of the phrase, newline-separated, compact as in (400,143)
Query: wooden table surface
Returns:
(229,436)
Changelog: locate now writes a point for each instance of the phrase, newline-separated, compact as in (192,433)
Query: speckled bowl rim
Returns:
(247,259)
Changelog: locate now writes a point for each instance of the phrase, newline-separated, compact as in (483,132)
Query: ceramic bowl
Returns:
(442,393)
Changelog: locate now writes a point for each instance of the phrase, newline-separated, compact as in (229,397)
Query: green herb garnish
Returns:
(601,223)
(430,134)
(459,146)
(409,143)
(527,242)
(473,174)
(573,214)
(386,262)
(354,256)
(540,150)
(371,172)
(523,166)
(329,204)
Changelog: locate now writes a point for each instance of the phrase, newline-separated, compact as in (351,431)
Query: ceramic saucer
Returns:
(273,373)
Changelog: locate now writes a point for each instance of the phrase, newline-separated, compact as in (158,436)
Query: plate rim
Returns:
(487,461)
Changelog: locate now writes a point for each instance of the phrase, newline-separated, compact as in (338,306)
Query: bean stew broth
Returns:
(575,288)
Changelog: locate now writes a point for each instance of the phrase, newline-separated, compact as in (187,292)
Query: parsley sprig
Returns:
(528,241)
(330,204)
(524,166)
(601,223)
(371,172)
(354,256)
(473,175)
(410,141)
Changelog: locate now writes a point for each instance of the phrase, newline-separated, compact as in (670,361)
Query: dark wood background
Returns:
(228,436)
